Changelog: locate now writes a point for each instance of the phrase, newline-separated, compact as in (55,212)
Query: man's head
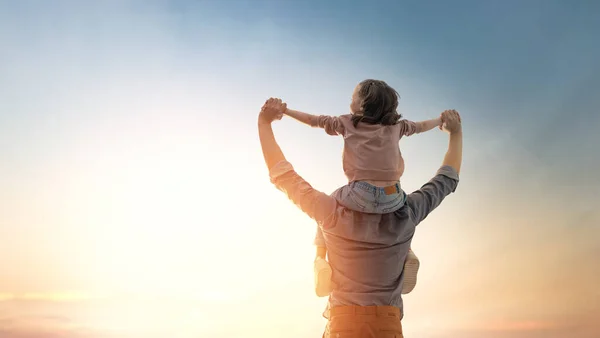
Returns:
(374,102)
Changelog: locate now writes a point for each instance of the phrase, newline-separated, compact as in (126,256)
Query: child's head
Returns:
(374,102)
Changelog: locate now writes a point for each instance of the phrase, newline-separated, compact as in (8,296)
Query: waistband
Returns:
(388,311)
(389,190)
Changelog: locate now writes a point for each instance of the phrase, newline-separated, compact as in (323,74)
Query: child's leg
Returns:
(389,199)
(321,252)
(411,268)
(322,269)
(320,243)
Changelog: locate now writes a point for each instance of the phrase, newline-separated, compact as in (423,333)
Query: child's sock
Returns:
(321,252)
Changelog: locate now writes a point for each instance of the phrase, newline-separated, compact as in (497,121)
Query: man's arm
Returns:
(271,151)
(427,125)
(314,203)
(453,157)
(425,200)
(453,125)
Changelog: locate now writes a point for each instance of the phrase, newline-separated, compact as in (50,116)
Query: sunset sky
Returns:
(134,200)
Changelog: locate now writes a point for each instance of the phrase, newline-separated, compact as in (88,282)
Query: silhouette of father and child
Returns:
(364,261)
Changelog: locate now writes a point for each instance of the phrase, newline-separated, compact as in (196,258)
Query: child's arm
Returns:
(427,125)
(311,120)
(408,128)
(331,124)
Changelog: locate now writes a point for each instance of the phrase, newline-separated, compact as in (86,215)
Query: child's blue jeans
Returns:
(367,198)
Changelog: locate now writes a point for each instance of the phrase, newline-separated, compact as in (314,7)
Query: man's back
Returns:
(366,251)
(366,256)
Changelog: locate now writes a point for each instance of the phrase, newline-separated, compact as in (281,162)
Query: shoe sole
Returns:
(411,269)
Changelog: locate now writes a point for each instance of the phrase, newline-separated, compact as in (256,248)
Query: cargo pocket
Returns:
(389,334)
(340,328)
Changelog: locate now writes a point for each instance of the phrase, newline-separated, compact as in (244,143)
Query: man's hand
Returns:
(451,122)
(272,110)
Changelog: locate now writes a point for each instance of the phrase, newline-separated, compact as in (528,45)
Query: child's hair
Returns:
(378,104)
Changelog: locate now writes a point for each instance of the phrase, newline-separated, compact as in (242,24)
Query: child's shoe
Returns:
(323,285)
(411,268)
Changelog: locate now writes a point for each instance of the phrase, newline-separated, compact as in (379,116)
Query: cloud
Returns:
(47,326)
(584,327)
(519,325)
(49,296)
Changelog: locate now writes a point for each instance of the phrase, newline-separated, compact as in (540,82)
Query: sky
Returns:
(134,200)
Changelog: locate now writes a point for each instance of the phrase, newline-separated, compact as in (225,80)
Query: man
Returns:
(365,250)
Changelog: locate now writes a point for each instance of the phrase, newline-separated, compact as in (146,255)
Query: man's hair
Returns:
(378,103)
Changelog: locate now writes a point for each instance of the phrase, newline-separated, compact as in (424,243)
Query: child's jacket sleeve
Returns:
(408,128)
(332,124)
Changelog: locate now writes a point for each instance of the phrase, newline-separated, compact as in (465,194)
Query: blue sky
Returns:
(123,125)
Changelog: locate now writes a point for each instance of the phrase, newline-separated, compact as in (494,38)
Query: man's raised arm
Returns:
(269,113)
(314,203)
(452,124)
(426,199)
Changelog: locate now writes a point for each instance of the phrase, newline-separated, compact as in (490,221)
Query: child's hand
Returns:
(441,126)
(272,110)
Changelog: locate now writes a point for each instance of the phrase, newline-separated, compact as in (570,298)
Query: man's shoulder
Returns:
(421,202)
(445,177)
(447,171)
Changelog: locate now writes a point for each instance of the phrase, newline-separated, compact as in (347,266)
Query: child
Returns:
(372,162)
